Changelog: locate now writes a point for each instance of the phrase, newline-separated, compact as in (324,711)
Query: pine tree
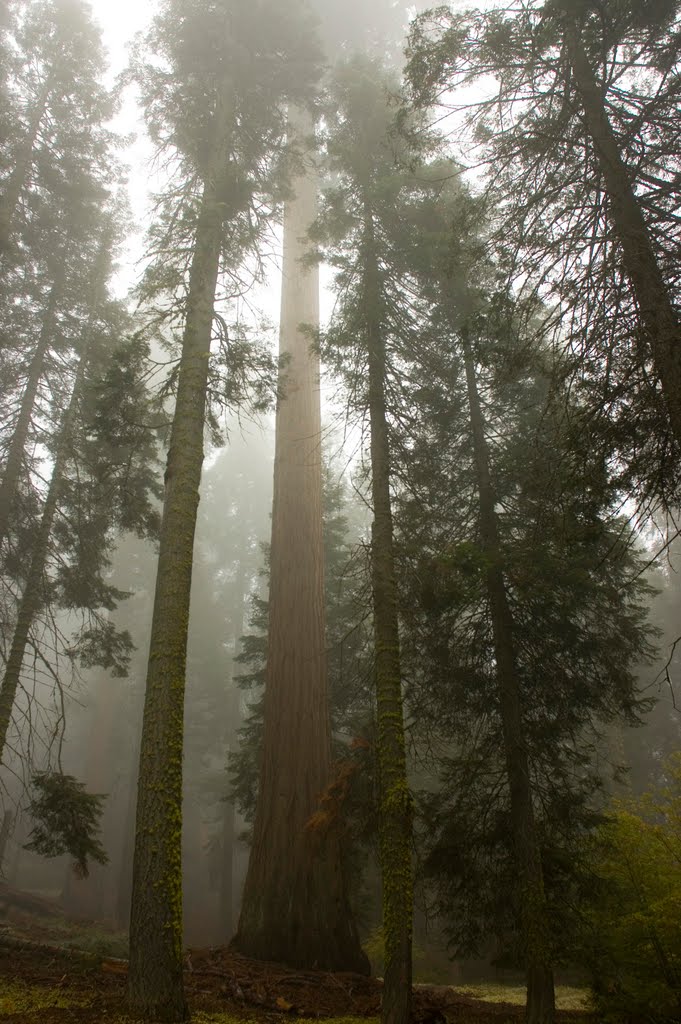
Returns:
(359,228)
(52,196)
(497,584)
(61,108)
(214,88)
(94,487)
(584,183)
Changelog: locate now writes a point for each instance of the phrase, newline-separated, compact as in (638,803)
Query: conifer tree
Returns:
(480,336)
(63,338)
(51,198)
(214,87)
(60,108)
(295,907)
(296,671)
(584,184)
(372,332)
(101,478)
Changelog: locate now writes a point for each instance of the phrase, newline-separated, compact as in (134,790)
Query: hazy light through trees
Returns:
(434,688)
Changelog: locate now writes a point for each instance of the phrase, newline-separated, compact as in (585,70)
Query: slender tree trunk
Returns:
(226,892)
(532,900)
(395,821)
(5,830)
(15,457)
(226,920)
(155,986)
(124,881)
(295,907)
(395,800)
(23,160)
(659,317)
(32,596)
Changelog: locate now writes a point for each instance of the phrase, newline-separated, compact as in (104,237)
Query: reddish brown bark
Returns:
(295,907)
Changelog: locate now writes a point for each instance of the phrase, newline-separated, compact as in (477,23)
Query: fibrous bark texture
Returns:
(155,988)
(295,908)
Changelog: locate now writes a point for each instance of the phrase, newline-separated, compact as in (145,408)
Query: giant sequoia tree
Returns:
(295,907)
(214,84)
(275,923)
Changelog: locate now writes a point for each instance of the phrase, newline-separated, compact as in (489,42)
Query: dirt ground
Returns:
(41,982)
(47,985)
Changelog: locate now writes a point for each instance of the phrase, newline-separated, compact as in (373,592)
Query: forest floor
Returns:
(43,981)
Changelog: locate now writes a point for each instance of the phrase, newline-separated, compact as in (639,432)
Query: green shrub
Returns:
(634,922)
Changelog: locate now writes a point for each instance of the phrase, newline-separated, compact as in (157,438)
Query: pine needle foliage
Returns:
(67,820)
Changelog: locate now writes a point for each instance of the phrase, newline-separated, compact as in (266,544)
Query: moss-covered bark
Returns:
(530,895)
(155,988)
(395,821)
(295,907)
(17,448)
(658,315)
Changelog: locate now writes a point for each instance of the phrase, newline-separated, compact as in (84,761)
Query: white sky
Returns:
(119,21)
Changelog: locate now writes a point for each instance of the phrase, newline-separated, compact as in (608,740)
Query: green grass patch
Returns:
(568,997)
(17,997)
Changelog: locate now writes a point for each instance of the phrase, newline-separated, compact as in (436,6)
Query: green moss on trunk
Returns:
(155,987)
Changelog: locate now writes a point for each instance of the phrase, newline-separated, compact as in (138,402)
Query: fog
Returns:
(330,407)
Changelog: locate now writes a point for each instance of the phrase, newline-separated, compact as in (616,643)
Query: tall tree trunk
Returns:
(22,163)
(15,457)
(155,986)
(5,830)
(395,820)
(659,317)
(226,920)
(531,897)
(226,883)
(295,907)
(32,597)
(121,914)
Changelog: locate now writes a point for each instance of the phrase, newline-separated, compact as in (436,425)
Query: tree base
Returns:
(541,997)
